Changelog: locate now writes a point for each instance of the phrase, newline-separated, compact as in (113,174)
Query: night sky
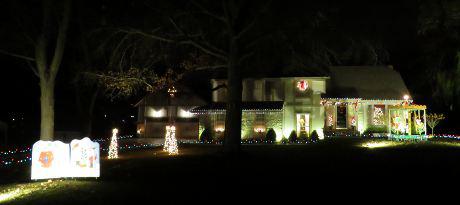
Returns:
(392,24)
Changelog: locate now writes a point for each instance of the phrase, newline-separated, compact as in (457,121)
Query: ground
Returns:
(333,166)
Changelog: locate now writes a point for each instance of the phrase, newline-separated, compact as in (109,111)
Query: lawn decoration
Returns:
(55,159)
(113,148)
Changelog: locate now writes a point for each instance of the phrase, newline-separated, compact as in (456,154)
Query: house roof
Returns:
(247,106)
(365,82)
(183,97)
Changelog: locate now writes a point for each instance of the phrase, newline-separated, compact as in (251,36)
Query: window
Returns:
(303,124)
(378,115)
(269,94)
(341,116)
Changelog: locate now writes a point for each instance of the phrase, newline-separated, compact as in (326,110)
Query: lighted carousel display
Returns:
(407,121)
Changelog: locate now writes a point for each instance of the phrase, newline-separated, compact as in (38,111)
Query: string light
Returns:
(170,140)
(118,137)
(113,148)
(378,116)
(17,156)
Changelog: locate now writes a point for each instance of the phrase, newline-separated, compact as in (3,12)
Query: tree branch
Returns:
(149,35)
(60,41)
(207,48)
(244,57)
(209,13)
(27,58)
(188,41)
(210,67)
(34,70)
(253,22)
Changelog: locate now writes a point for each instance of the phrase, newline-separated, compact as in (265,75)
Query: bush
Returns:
(284,140)
(293,137)
(206,136)
(314,136)
(371,130)
(270,137)
(303,137)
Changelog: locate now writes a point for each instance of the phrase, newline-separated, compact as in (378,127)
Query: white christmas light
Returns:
(170,140)
(113,148)
(378,116)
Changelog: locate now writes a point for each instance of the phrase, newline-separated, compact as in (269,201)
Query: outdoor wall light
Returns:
(157,113)
(406,97)
(259,129)
(219,129)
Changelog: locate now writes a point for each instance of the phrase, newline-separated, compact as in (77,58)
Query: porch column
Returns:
(389,121)
(424,120)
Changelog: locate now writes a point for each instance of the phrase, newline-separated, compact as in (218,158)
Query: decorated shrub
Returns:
(284,140)
(374,129)
(206,136)
(303,137)
(293,137)
(270,137)
(314,136)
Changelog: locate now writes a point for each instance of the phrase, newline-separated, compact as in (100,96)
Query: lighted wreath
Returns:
(302,85)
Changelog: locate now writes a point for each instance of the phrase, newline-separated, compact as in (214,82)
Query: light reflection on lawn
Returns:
(22,191)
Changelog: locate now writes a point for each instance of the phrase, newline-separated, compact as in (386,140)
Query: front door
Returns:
(303,124)
(341,116)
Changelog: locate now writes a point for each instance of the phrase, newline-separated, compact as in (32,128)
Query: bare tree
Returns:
(222,31)
(45,65)
(433,120)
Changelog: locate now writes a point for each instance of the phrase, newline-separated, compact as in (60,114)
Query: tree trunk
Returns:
(232,141)
(85,110)
(47,109)
(89,121)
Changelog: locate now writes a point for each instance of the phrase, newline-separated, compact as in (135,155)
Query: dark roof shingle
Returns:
(366,82)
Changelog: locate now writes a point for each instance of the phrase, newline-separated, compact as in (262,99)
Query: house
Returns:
(346,101)
(159,109)
(283,104)
(371,100)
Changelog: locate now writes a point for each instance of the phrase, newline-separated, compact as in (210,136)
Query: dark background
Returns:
(394,25)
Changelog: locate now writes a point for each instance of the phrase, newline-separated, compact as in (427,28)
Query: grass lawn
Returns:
(270,171)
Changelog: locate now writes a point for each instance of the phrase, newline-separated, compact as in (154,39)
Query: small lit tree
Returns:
(113,148)
(170,145)
(433,119)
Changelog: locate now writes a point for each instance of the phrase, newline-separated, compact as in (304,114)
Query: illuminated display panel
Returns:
(55,159)
(84,158)
(49,159)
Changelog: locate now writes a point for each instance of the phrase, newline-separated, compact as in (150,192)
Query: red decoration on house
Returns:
(302,85)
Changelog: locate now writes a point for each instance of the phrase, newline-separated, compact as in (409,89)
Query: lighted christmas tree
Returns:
(170,140)
(113,148)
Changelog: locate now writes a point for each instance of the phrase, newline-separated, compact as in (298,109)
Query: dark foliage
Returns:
(374,129)
(303,137)
(314,136)
(284,140)
(270,137)
(293,137)
(206,136)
